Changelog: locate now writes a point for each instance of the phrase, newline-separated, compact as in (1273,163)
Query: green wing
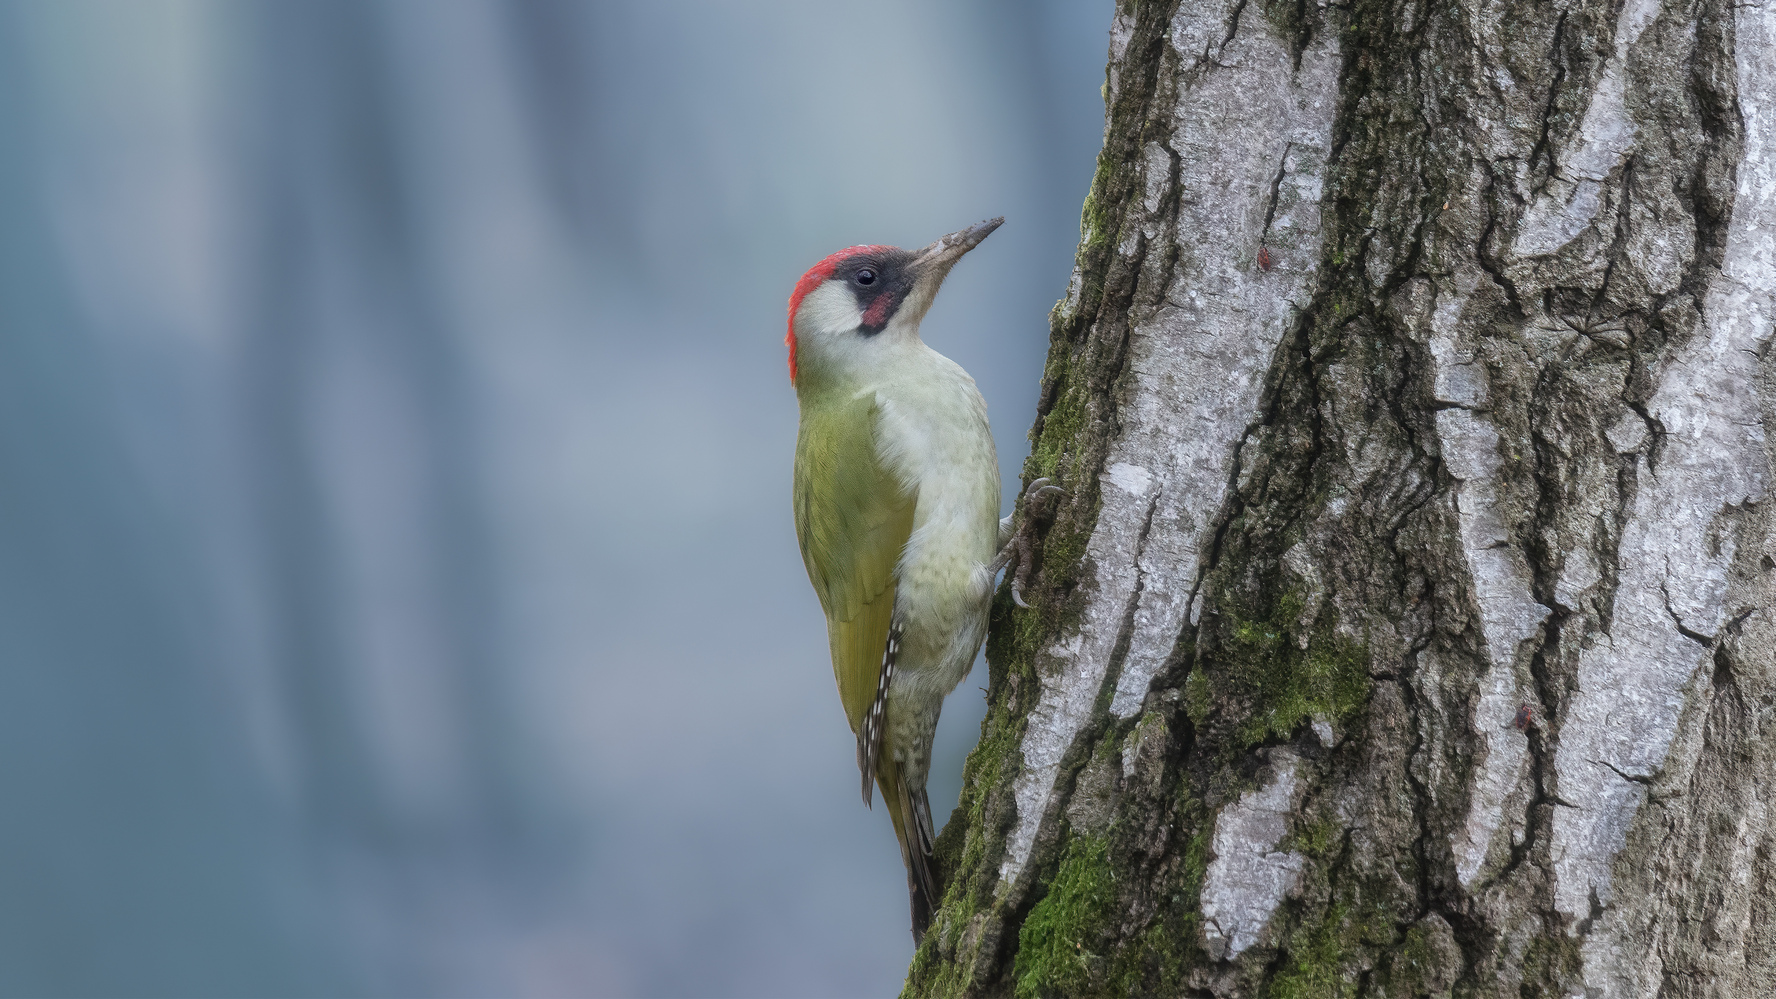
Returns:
(852,519)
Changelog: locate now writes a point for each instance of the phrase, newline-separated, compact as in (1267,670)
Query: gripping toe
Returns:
(1041,489)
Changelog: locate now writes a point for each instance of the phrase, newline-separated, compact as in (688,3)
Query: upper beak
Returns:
(939,257)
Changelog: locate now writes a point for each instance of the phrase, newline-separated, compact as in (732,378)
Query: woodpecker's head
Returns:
(858,301)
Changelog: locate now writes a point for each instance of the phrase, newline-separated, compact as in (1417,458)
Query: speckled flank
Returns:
(934,434)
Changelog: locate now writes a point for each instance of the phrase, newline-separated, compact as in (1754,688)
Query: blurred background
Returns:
(398,589)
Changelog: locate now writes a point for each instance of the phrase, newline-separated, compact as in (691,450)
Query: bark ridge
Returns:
(1409,627)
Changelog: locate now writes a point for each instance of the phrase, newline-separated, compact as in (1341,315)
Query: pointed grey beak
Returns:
(939,257)
(931,265)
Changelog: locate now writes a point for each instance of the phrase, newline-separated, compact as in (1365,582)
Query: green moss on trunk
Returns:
(1059,943)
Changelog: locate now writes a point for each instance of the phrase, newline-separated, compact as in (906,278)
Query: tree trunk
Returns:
(1410,626)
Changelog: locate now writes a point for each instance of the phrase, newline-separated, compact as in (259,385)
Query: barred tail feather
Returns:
(875,718)
(915,850)
(922,815)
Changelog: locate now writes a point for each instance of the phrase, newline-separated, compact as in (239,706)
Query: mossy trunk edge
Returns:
(1409,626)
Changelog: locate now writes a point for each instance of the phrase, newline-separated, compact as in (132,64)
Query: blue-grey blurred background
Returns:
(398,591)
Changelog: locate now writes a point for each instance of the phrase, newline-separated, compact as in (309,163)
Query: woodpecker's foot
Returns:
(1017,584)
(1040,490)
(1016,553)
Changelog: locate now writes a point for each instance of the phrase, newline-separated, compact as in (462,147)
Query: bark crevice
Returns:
(1371,431)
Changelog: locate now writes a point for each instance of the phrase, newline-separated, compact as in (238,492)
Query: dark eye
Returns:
(866,276)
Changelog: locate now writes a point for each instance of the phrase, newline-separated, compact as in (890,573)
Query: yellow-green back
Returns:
(852,518)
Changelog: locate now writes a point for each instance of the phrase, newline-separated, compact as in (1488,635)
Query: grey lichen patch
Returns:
(1570,201)
(1414,507)
(1246,183)
(1248,875)
(1144,552)
(1685,526)
(1071,669)
(1501,585)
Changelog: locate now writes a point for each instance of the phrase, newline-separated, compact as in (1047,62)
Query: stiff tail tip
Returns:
(915,848)
(919,898)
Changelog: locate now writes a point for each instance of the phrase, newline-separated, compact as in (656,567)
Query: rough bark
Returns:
(1410,626)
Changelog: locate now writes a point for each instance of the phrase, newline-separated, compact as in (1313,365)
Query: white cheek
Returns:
(828,310)
(827,330)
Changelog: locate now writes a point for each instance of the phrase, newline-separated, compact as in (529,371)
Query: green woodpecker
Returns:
(897,511)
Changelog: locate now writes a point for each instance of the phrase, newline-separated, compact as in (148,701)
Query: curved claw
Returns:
(1016,551)
(1039,489)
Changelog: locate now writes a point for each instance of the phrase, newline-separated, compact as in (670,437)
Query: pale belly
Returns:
(942,599)
(935,434)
